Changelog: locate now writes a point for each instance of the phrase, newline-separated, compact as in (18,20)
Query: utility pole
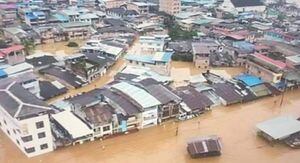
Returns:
(176,132)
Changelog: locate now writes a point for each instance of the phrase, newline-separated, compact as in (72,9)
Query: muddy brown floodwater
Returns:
(234,124)
(60,47)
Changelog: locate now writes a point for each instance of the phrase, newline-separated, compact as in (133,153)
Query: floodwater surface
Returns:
(234,124)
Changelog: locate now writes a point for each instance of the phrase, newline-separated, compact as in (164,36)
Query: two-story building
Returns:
(268,69)
(13,55)
(146,102)
(154,43)
(76,30)
(159,62)
(25,120)
(201,53)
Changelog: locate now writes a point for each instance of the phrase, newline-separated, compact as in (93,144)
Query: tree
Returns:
(228,16)
(3,44)
(176,33)
(29,46)
(281,17)
(72,44)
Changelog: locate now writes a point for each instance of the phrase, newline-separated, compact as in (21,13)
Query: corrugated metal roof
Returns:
(142,97)
(72,124)
(280,127)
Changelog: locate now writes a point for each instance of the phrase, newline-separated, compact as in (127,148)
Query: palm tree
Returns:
(29,46)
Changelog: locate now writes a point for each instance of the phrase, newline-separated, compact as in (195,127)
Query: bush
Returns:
(72,44)
(182,57)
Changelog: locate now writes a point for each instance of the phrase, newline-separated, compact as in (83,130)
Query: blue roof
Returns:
(244,45)
(162,56)
(61,17)
(140,58)
(31,16)
(39,13)
(249,80)
(2,74)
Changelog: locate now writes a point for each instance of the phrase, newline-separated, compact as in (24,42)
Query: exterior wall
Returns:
(291,64)
(171,7)
(152,45)
(254,8)
(265,74)
(133,122)
(8,17)
(115,3)
(73,34)
(150,117)
(99,130)
(201,62)
(15,129)
(15,38)
(161,68)
(16,57)
(169,110)
(139,9)
(33,87)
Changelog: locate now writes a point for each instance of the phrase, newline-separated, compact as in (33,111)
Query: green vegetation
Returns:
(182,57)
(281,17)
(3,44)
(29,46)
(176,33)
(72,44)
(228,16)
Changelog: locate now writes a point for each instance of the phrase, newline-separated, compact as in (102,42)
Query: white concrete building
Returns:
(238,6)
(154,43)
(25,119)
(146,101)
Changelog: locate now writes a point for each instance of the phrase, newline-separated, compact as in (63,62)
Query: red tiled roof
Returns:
(6,51)
(261,47)
(276,63)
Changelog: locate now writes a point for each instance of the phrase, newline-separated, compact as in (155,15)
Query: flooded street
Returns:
(60,48)
(234,124)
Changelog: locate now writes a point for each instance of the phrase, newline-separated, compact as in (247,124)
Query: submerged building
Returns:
(25,119)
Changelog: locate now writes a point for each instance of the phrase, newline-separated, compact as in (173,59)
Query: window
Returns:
(0,124)
(44,146)
(4,121)
(27,138)
(106,128)
(8,132)
(39,124)
(14,131)
(30,150)
(278,77)
(18,141)
(41,135)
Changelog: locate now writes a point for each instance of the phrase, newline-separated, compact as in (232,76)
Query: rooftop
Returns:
(20,103)
(99,114)
(6,51)
(295,59)
(278,64)
(246,3)
(249,80)
(75,127)
(280,127)
(142,97)
(163,94)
